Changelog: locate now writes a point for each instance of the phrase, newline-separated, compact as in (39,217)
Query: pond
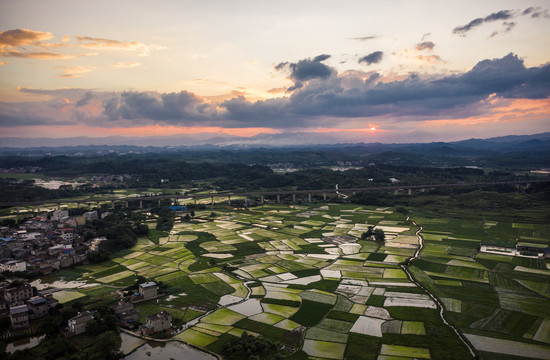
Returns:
(25,343)
(159,350)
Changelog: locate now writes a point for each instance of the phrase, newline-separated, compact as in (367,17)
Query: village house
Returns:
(19,316)
(77,324)
(126,313)
(4,309)
(17,295)
(12,265)
(98,243)
(38,307)
(148,290)
(156,323)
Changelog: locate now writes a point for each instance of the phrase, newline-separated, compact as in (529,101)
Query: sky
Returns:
(392,71)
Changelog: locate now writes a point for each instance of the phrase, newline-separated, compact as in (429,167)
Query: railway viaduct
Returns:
(263,196)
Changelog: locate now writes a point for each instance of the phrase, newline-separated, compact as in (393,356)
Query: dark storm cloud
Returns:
(306,69)
(500,15)
(425,45)
(372,58)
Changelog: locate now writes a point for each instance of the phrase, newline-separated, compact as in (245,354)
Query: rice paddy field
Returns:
(300,276)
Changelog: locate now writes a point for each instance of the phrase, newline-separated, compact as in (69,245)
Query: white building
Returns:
(77,324)
(12,265)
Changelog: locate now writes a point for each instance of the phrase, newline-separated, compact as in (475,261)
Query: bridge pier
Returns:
(37,208)
(18,209)
(229,199)
(195,201)
(262,200)
(395,192)
(97,204)
(126,204)
(293,197)
(278,198)
(309,197)
(324,197)
(112,204)
(410,192)
(58,206)
(78,204)
(140,204)
(211,201)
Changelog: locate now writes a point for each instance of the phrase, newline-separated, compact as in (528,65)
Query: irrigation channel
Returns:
(434,298)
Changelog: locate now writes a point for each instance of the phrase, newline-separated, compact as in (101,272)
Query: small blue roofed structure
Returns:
(178,208)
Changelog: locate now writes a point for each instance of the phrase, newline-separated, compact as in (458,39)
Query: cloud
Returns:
(22,37)
(30,44)
(73,72)
(35,55)
(168,107)
(109,44)
(508,26)
(366,38)
(425,45)
(419,53)
(500,15)
(347,99)
(372,58)
(306,69)
(430,59)
(534,12)
(127,65)
(85,100)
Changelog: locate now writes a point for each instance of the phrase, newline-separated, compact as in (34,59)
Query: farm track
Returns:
(434,298)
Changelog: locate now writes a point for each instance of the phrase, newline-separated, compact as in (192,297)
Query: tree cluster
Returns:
(377,235)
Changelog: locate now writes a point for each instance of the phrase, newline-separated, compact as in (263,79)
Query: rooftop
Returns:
(148,284)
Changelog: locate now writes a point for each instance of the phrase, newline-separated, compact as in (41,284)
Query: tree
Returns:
(367,234)
(379,235)
(107,345)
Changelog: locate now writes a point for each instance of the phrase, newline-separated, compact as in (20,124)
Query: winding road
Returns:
(434,298)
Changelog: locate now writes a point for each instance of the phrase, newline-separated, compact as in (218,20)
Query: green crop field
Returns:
(280,271)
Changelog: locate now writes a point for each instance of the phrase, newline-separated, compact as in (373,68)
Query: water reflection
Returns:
(162,350)
(25,343)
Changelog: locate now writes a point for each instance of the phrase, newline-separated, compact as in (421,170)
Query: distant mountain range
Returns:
(265,140)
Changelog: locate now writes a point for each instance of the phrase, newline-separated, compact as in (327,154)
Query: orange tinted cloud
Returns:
(21,37)
(505,110)
(35,55)
(127,65)
(107,44)
(72,72)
